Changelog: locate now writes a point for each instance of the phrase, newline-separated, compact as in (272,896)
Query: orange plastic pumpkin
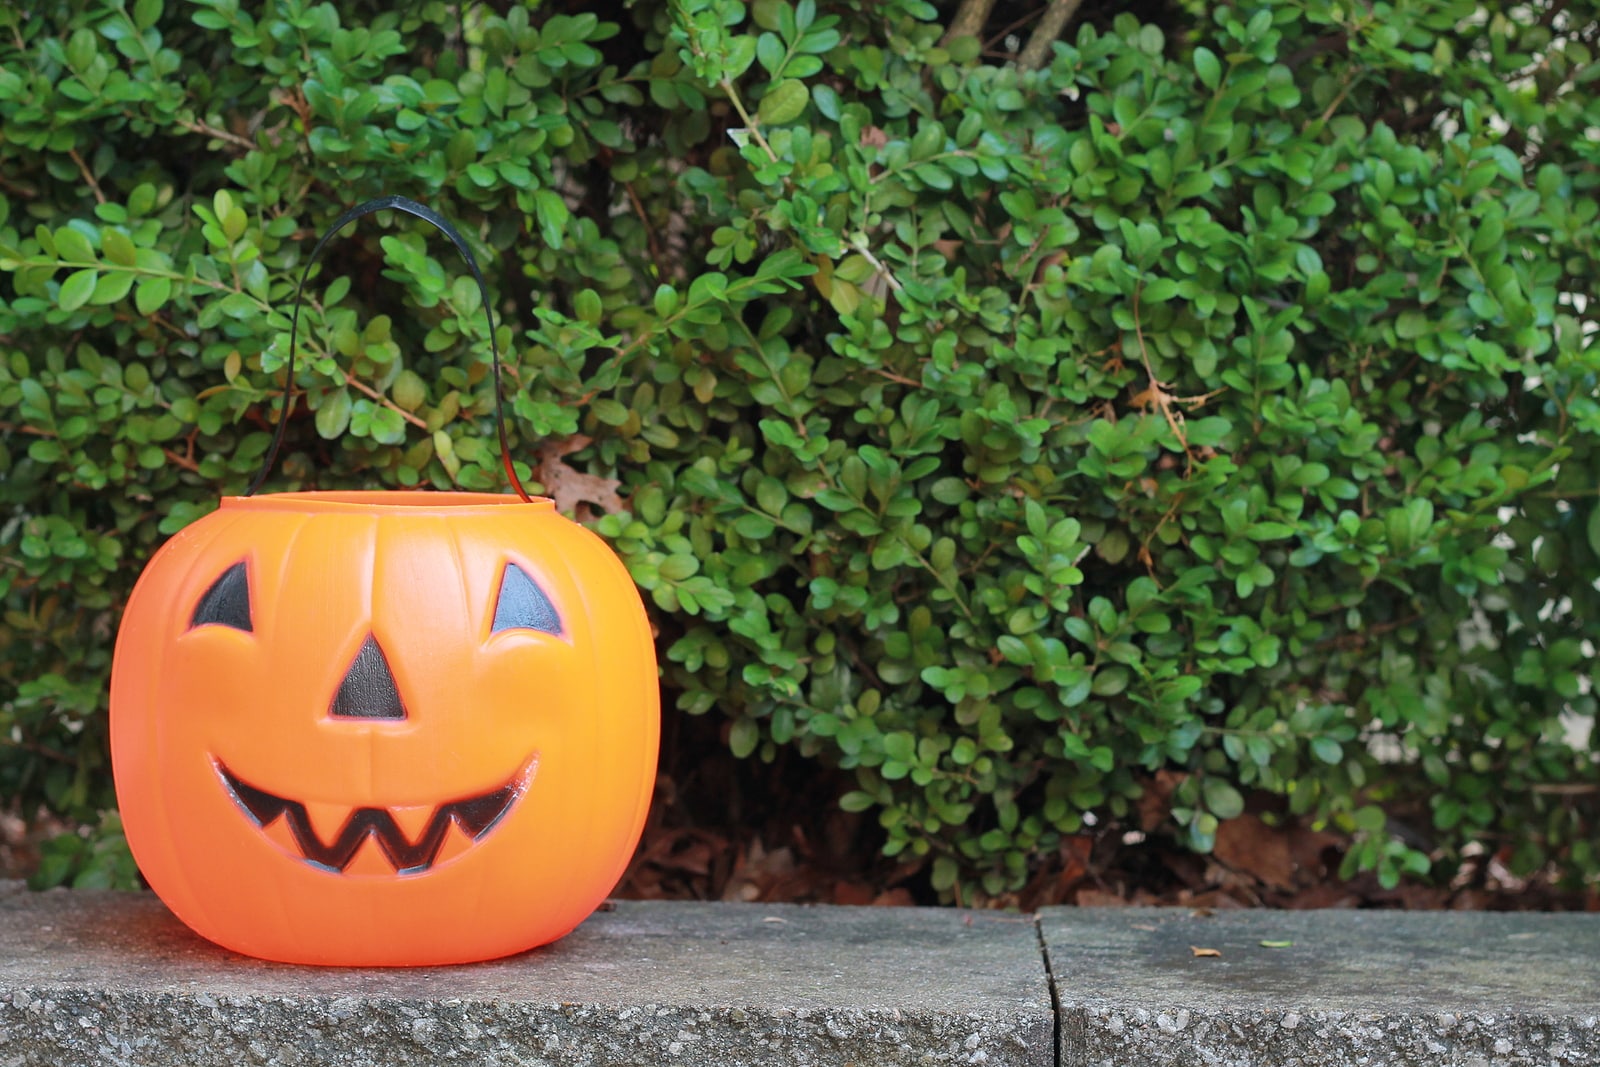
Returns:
(384,728)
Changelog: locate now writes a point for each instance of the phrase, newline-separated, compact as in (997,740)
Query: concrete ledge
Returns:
(1325,988)
(106,978)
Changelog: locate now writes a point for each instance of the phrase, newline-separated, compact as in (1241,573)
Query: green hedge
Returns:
(1217,396)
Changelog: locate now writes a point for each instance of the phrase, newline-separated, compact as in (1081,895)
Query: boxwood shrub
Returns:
(1004,420)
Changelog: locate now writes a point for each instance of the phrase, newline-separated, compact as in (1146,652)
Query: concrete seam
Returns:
(1055,997)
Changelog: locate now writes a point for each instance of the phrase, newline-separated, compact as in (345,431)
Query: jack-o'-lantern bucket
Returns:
(384,728)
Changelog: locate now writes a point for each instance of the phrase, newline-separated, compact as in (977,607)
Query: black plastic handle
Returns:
(411,207)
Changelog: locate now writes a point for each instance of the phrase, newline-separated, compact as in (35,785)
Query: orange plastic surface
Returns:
(566,725)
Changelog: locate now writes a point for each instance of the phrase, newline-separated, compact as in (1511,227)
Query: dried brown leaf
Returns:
(894,898)
(1155,803)
(853,894)
(1247,844)
(574,490)
(1099,898)
(873,137)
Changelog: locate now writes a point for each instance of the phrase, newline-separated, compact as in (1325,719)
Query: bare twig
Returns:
(1357,640)
(195,126)
(1037,51)
(1157,395)
(861,246)
(649,229)
(88,176)
(997,39)
(461,34)
(893,377)
(1565,789)
(18,190)
(42,750)
(157,319)
(1344,91)
(969,20)
(361,386)
(12,427)
(1333,42)
(749,121)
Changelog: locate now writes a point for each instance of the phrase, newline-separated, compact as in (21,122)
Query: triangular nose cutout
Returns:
(368,690)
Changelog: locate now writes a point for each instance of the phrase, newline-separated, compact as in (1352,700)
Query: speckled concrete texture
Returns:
(1350,989)
(103,979)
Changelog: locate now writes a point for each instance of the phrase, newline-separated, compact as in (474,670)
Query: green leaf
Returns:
(770,52)
(743,737)
(409,390)
(151,294)
(784,102)
(771,496)
(1327,750)
(1159,290)
(677,568)
(1419,518)
(73,247)
(856,800)
(1208,67)
(964,50)
(1371,818)
(1222,799)
(666,300)
(77,289)
(111,287)
(1109,681)
(1411,325)
(118,248)
(81,48)
(333,416)
(609,411)
(588,306)
(553,216)
(387,426)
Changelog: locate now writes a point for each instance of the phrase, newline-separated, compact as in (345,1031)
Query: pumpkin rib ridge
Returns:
(271,609)
(649,693)
(557,552)
(461,583)
(155,731)
(480,629)
(390,657)
(359,635)
(160,723)
(283,923)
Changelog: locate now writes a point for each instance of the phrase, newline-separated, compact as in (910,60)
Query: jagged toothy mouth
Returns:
(475,816)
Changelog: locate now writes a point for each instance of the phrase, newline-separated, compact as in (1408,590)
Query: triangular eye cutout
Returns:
(522,605)
(227,602)
(368,690)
